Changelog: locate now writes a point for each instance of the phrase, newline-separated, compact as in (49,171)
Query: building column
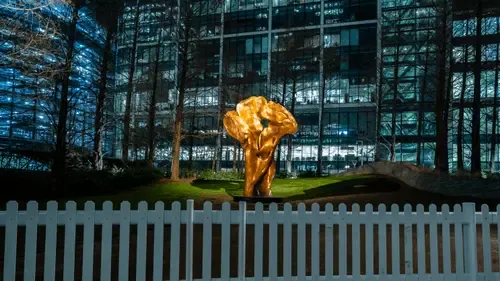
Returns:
(322,82)
(269,45)
(220,128)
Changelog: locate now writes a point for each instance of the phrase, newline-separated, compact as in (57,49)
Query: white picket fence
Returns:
(446,241)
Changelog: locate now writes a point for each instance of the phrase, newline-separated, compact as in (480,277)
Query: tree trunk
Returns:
(235,147)
(380,97)
(59,165)
(394,99)
(130,87)
(421,114)
(290,139)
(319,165)
(476,104)
(494,121)
(278,156)
(179,114)
(460,125)
(101,98)
(152,107)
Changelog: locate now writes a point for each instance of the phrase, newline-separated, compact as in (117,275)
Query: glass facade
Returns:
(282,50)
(409,59)
(29,84)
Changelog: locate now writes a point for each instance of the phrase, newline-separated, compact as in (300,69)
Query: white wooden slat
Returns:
(470,240)
(342,241)
(446,240)
(140,263)
(421,252)
(258,246)
(273,242)
(124,251)
(498,230)
(459,245)
(369,243)
(88,242)
(242,234)
(207,241)
(301,242)
(30,242)
(175,229)
(287,243)
(485,227)
(189,239)
(226,241)
(49,270)
(382,248)
(395,256)
(329,265)
(10,251)
(106,241)
(356,237)
(408,242)
(69,242)
(159,228)
(315,243)
(434,257)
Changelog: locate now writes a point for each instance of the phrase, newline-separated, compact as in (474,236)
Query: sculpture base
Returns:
(255,199)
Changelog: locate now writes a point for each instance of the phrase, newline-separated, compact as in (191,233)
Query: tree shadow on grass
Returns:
(231,187)
(349,187)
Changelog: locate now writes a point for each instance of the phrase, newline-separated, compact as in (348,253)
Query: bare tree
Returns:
(290,65)
(187,36)
(130,88)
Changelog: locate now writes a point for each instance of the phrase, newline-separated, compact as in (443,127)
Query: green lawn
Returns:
(289,189)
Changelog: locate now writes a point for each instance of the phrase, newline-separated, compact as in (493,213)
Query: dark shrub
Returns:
(221,175)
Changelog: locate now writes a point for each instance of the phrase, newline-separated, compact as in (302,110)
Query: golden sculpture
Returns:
(259,125)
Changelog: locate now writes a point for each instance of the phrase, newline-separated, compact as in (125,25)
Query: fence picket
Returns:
(355,248)
(189,240)
(123,260)
(329,265)
(287,242)
(273,242)
(459,245)
(421,252)
(434,258)
(9,266)
(408,241)
(315,242)
(140,263)
(498,231)
(258,233)
(382,248)
(342,241)
(369,242)
(69,242)
(88,241)
(226,241)
(301,242)
(207,241)
(106,240)
(446,239)
(158,241)
(395,256)
(242,233)
(470,240)
(49,270)
(463,218)
(30,242)
(486,239)
(175,229)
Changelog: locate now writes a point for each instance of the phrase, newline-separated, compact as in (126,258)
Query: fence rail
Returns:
(261,244)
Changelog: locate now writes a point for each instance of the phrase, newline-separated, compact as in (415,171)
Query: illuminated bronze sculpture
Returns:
(259,125)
